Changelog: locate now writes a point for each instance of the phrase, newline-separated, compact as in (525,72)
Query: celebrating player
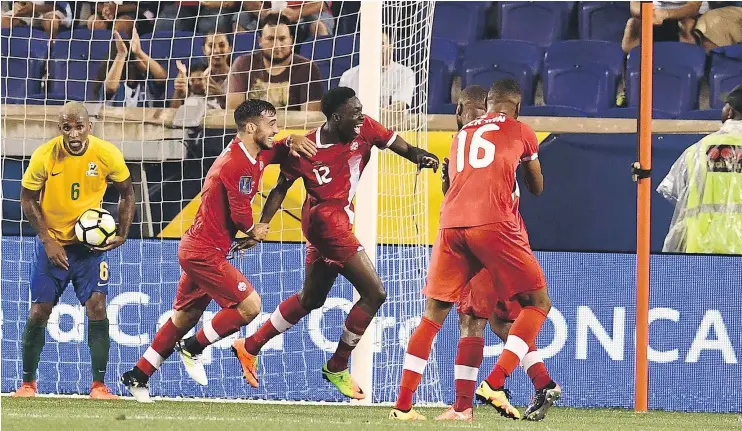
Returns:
(484,157)
(227,194)
(344,145)
(480,301)
(65,177)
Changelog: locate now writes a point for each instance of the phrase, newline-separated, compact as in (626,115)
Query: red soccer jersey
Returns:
(227,194)
(333,174)
(483,159)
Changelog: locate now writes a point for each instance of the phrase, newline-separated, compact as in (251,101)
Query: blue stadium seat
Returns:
(333,55)
(244,42)
(486,75)
(673,90)
(447,51)
(702,114)
(603,20)
(722,82)
(582,52)
(439,88)
(23,52)
(552,111)
(167,47)
(589,87)
(76,57)
(538,22)
(669,55)
(457,22)
(633,112)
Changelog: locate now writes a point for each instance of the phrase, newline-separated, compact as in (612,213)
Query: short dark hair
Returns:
(276,19)
(197,66)
(503,88)
(335,98)
(250,110)
(473,94)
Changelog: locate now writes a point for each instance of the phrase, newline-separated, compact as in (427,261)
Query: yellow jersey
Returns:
(72,184)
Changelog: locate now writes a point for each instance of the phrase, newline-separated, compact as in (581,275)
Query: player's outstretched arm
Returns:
(533,176)
(127,206)
(275,198)
(420,157)
(32,210)
(445,181)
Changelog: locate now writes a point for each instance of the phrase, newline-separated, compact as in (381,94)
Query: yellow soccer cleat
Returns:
(497,398)
(344,382)
(411,415)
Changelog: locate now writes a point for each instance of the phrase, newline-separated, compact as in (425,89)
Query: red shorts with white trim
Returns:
(329,235)
(208,275)
(501,248)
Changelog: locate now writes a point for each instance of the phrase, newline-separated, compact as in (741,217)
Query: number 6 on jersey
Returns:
(478,142)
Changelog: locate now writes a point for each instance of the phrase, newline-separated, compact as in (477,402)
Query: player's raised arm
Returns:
(418,156)
(276,198)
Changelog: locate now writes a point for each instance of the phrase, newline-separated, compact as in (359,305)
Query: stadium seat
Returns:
(589,87)
(702,114)
(582,52)
(552,111)
(668,55)
(486,75)
(673,90)
(76,57)
(603,20)
(457,22)
(538,22)
(333,56)
(244,42)
(439,89)
(633,112)
(167,47)
(722,82)
(23,52)
(446,51)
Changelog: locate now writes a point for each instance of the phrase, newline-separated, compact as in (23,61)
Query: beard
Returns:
(276,59)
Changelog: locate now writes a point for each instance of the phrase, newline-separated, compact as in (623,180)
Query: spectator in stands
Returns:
(275,73)
(49,16)
(206,80)
(202,16)
(119,16)
(719,27)
(313,18)
(673,21)
(218,49)
(397,80)
(130,78)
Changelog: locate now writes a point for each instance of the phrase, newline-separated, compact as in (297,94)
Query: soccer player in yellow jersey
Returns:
(65,177)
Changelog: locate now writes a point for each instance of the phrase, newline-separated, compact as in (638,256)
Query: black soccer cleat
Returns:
(139,389)
(542,401)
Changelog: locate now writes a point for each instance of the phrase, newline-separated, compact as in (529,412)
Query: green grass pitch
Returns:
(52,414)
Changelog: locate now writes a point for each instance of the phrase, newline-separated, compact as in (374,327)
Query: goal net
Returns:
(170,137)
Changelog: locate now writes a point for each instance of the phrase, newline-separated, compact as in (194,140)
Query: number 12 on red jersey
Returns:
(476,160)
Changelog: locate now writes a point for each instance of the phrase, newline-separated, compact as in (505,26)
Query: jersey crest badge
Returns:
(246,185)
(92,170)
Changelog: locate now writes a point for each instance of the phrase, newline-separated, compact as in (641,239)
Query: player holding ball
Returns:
(65,177)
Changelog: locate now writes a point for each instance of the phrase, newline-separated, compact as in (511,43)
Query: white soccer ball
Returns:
(95,226)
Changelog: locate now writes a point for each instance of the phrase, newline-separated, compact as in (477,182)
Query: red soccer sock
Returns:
(468,359)
(225,323)
(355,325)
(161,348)
(534,366)
(418,351)
(288,314)
(522,334)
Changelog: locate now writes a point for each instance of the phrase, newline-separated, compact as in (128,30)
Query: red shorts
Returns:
(501,248)
(481,298)
(207,275)
(329,235)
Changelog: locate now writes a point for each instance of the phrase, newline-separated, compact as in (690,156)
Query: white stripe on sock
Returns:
(531,359)
(349,337)
(153,358)
(516,345)
(281,324)
(210,333)
(413,363)
(464,372)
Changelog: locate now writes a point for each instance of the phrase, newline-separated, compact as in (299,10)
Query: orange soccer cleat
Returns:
(249,362)
(27,390)
(99,391)
(452,415)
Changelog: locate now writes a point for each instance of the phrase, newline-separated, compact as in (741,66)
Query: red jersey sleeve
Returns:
(239,185)
(291,168)
(376,133)
(530,143)
(277,154)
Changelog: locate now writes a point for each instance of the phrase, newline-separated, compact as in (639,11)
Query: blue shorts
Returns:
(88,273)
